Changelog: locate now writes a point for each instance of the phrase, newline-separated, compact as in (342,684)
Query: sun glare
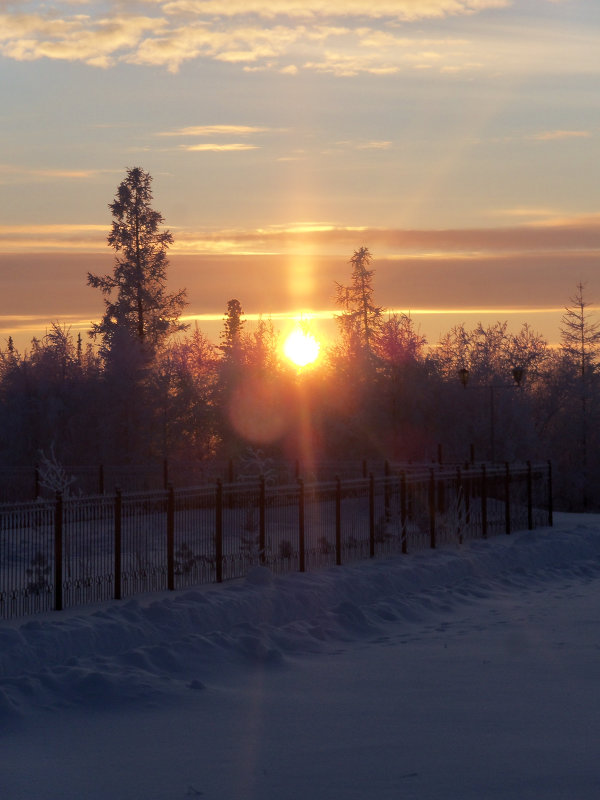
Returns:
(301,347)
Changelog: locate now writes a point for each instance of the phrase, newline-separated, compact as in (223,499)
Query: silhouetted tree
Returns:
(232,329)
(580,341)
(580,335)
(135,294)
(184,382)
(360,319)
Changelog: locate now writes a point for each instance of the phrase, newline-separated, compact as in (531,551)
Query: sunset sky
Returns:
(457,139)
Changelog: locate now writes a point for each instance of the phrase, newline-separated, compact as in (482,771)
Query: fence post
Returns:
(386,491)
(431,509)
(118,546)
(371,516)
(467,496)
(507,498)
(529,497)
(58,552)
(483,502)
(301,564)
(441,496)
(219,531)
(338,521)
(550,498)
(459,504)
(261,520)
(403,510)
(165,474)
(170,538)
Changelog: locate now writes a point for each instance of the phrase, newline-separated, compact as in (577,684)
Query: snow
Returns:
(455,673)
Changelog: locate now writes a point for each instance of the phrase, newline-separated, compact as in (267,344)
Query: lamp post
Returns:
(518,373)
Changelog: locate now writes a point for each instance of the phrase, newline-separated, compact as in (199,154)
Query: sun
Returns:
(301,347)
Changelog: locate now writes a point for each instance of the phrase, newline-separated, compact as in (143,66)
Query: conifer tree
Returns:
(580,340)
(580,335)
(135,295)
(360,320)
(232,329)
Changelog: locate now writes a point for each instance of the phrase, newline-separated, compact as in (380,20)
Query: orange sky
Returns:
(438,289)
(457,139)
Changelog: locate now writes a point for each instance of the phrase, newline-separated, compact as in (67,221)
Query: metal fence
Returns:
(80,550)
(23,483)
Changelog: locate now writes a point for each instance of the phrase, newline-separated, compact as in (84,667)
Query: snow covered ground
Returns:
(467,674)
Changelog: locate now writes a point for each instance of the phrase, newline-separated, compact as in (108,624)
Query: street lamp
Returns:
(518,373)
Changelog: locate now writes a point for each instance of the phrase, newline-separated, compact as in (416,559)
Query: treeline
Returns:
(143,388)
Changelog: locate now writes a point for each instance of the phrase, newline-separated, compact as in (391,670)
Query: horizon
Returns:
(461,285)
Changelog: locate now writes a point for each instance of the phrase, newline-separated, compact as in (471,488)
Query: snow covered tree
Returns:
(135,295)
(580,341)
(580,336)
(399,341)
(360,319)
(183,385)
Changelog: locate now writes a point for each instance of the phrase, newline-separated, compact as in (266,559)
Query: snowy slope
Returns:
(449,673)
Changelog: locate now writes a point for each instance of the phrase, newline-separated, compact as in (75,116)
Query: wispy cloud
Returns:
(569,233)
(307,9)
(214,147)
(575,233)
(341,37)
(376,145)
(532,234)
(347,144)
(41,238)
(94,41)
(214,130)
(546,136)
(9,173)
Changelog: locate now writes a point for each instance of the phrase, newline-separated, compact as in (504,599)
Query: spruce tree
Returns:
(580,340)
(360,320)
(135,295)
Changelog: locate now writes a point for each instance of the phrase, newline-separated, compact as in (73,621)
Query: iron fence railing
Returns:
(77,550)
(23,483)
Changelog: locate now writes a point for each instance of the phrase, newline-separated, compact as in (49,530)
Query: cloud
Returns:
(28,37)
(377,145)
(547,136)
(234,44)
(344,38)
(556,233)
(11,174)
(218,148)
(407,10)
(348,65)
(214,130)
(42,238)
(344,146)
(575,234)
(254,34)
